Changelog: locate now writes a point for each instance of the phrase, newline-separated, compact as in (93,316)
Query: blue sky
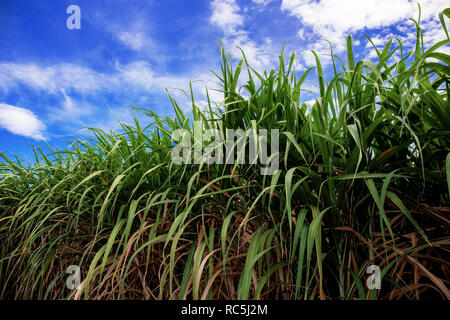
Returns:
(54,81)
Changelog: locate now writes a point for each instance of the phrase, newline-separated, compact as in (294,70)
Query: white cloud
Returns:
(301,34)
(21,121)
(262,2)
(433,33)
(259,56)
(322,49)
(136,76)
(50,79)
(134,32)
(225,15)
(310,102)
(334,19)
(135,82)
(133,40)
(75,110)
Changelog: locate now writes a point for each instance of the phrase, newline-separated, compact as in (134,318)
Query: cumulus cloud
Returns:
(259,55)
(333,19)
(226,15)
(21,121)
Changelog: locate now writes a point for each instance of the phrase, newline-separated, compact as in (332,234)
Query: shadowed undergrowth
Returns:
(364,179)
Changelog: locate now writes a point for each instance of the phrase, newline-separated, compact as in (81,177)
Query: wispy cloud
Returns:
(134,32)
(71,111)
(134,40)
(51,78)
(262,2)
(136,76)
(21,121)
(82,93)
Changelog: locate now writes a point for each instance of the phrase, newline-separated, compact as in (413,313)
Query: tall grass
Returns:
(364,180)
